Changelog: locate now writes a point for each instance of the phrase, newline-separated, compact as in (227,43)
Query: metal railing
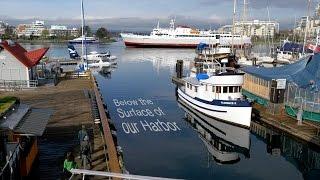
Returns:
(12,165)
(306,99)
(113,175)
(17,84)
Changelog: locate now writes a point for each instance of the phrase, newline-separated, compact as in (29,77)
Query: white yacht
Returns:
(87,40)
(104,56)
(183,36)
(94,58)
(216,92)
(224,142)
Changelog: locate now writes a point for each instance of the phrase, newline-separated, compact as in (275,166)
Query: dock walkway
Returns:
(72,108)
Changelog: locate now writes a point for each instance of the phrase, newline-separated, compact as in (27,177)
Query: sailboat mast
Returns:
(269,31)
(306,29)
(82,31)
(244,18)
(233,23)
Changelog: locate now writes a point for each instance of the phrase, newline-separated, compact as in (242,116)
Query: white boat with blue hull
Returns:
(218,95)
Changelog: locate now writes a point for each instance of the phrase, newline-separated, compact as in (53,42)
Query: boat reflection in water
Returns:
(225,142)
(106,71)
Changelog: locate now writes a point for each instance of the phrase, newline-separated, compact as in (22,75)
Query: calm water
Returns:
(158,140)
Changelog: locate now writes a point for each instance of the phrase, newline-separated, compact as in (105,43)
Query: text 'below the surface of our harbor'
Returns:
(141,108)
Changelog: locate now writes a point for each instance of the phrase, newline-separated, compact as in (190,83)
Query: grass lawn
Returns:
(6,102)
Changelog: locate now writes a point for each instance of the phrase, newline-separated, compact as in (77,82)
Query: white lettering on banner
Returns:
(144,125)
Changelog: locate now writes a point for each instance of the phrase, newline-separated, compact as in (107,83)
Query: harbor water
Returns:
(160,136)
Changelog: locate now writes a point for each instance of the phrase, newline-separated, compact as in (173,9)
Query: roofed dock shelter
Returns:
(18,66)
(292,87)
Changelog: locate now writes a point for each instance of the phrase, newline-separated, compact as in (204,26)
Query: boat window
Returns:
(218,90)
(187,85)
(231,89)
(213,89)
(206,87)
(225,89)
(196,89)
(235,89)
(240,88)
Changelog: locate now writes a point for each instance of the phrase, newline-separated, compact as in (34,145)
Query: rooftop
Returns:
(302,73)
(29,59)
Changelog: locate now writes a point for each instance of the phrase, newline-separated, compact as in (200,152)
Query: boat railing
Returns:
(110,175)
(11,165)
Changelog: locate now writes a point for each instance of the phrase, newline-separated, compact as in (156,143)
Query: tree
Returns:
(45,33)
(102,33)
(87,31)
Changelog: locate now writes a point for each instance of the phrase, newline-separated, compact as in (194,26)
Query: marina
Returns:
(237,98)
(149,128)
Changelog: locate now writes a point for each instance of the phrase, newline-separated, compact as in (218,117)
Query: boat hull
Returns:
(173,42)
(80,42)
(235,115)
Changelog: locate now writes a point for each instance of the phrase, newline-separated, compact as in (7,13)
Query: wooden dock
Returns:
(177,81)
(307,131)
(113,163)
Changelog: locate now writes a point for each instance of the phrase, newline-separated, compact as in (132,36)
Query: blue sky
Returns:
(208,11)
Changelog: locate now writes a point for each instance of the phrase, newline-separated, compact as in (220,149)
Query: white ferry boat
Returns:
(183,36)
(216,93)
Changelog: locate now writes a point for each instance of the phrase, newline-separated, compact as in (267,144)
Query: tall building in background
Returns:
(255,28)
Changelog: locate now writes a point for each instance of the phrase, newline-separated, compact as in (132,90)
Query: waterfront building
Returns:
(3,27)
(20,125)
(254,28)
(292,88)
(35,29)
(18,66)
(62,31)
(58,31)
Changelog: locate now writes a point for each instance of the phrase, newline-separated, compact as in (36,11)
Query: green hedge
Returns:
(6,103)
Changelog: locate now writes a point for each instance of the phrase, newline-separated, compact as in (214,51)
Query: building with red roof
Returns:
(17,64)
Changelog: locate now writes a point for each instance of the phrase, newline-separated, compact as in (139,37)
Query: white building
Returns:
(62,31)
(254,28)
(34,29)
(57,30)
(3,27)
(17,65)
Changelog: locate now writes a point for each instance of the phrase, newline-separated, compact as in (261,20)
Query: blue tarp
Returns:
(301,73)
(294,47)
(201,46)
(202,76)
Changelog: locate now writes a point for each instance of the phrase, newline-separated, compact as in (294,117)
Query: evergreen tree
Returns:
(102,33)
